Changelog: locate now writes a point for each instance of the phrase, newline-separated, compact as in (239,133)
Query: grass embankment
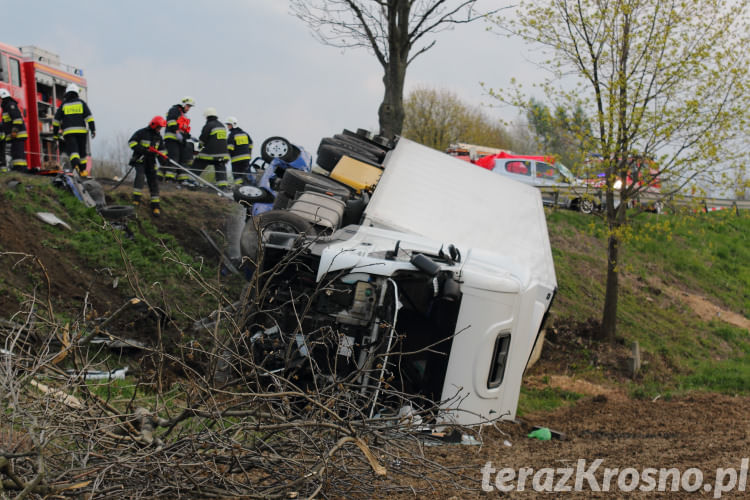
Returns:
(147,259)
(681,277)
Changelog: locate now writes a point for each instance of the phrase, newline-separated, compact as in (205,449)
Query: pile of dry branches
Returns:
(205,417)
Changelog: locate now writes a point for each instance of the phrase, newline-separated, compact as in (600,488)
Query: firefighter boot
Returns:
(155,208)
(137,199)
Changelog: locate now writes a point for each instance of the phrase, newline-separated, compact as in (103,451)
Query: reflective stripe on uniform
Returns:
(75,130)
(240,158)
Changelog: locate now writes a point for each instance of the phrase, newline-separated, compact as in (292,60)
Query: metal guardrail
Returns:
(703,203)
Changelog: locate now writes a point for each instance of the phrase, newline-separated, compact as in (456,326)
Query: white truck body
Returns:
(425,201)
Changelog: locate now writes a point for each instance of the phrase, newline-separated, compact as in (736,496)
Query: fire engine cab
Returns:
(37,79)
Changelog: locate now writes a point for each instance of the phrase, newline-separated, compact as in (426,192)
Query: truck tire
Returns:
(329,155)
(377,152)
(377,141)
(117,212)
(282,201)
(277,220)
(251,194)
(295,181)
(353,147)
(278,147)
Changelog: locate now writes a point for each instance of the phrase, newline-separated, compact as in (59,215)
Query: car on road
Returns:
(557,183)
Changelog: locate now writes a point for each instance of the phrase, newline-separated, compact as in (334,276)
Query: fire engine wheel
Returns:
(252,194)
(274,220)
(295,181)
(117,212)
(278,147)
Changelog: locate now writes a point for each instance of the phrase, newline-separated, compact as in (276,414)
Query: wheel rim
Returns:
(277,148)
(250,191)
(587,206)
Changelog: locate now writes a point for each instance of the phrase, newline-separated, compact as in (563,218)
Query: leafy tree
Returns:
(666,85)
(565,133)
(438,118)
(396,31)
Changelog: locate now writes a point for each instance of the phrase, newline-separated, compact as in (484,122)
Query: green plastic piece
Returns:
(542,434)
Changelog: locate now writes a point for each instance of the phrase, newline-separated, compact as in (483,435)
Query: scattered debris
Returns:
(52,219)
(118,374)
(540,433)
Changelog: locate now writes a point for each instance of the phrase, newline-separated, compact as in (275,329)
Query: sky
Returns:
(251,59)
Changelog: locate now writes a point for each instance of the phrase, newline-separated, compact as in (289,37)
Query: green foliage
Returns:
(438,118)
(155,260)
(667,256)
(545,399)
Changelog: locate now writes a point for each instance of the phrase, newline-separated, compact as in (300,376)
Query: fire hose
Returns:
(190,173)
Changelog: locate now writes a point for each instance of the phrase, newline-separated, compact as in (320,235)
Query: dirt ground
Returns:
(705,431)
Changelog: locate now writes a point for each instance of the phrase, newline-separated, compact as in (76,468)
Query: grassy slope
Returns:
(703,254)
(706,254)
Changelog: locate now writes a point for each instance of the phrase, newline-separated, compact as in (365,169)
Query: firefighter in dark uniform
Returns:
(144,161)
(213,142)
(240,147)
(75,120)
(12,130)
(175,137)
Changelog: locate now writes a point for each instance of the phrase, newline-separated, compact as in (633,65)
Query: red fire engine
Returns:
(37,79)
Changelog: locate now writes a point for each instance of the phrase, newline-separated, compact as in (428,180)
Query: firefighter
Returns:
(13,130)
(75,120)
(176,136)
(213,142)
(143,143)
(240,147)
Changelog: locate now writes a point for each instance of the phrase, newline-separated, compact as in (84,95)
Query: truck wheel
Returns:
(377,152)
(252,194)
(117,212)
(377,142)
(282,201)
(329,155)
(353,148)
(295,181)
(274,220)
(278,147)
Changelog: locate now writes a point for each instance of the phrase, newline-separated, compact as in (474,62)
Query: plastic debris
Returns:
(542,434)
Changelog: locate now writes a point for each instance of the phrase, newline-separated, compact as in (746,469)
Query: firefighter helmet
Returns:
(4,93)
(231,120)
(187,101)
(72,88)
(210,112)
(157,122)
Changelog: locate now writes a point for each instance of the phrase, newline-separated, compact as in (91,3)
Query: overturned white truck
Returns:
(438,292)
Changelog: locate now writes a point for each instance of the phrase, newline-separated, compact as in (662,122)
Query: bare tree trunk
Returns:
(391,110)
(609,316)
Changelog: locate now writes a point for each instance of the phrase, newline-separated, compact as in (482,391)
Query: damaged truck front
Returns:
(435,297)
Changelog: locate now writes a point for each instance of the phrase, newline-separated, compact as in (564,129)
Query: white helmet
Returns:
(72,88)
(210,112)
(231,120)
(4,93)
(187,101)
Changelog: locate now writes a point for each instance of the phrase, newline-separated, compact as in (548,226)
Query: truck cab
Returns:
(438,291)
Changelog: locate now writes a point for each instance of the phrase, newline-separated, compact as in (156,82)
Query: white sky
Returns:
(248,58)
